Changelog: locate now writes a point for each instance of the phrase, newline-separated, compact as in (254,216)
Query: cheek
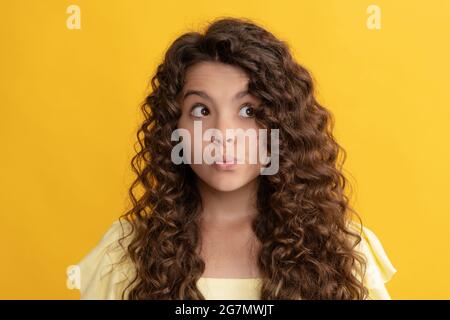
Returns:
(253,150)
(184,122)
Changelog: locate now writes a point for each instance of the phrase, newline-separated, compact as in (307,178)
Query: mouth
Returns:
(225,163)
(226,160)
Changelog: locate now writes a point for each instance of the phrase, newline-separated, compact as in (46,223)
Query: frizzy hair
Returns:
(308,249)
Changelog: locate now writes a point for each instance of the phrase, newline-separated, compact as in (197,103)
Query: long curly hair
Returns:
(308,248)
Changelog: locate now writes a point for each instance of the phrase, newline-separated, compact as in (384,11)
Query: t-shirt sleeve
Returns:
(102,273)
(379,269)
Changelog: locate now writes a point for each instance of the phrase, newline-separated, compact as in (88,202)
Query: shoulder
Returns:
(105,269)
(379,268)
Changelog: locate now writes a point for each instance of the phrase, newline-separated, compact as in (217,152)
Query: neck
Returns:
(228,207)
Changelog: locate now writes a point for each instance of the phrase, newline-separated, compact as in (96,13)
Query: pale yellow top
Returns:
(99,279)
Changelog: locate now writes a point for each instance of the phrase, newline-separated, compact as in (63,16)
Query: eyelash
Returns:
(201,104)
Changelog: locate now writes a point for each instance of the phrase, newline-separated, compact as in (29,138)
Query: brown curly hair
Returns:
(302,224)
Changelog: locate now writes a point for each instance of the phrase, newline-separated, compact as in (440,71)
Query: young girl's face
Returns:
(215,95)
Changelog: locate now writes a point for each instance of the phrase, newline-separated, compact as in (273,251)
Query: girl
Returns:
(223,230)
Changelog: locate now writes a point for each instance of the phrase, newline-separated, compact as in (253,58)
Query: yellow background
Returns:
(69,112)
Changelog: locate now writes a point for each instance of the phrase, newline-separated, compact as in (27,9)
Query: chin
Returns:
(225,186)
(224,181)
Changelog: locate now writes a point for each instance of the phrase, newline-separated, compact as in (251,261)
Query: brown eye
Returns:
(247,111)
(199,111)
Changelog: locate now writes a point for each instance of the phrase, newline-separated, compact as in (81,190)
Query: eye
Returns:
(199,111)
(247,111)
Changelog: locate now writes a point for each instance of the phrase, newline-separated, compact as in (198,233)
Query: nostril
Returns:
(231,139)
(218,140)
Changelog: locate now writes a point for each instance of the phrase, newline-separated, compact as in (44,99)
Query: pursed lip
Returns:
(226,160)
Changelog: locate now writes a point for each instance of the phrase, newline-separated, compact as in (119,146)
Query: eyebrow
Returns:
(203,94)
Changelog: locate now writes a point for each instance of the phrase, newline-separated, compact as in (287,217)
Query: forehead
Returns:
(215,77)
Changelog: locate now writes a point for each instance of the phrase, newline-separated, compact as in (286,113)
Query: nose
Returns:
(217,139)
(222,125)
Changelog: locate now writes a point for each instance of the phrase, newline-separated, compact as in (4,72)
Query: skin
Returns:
(229,246)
